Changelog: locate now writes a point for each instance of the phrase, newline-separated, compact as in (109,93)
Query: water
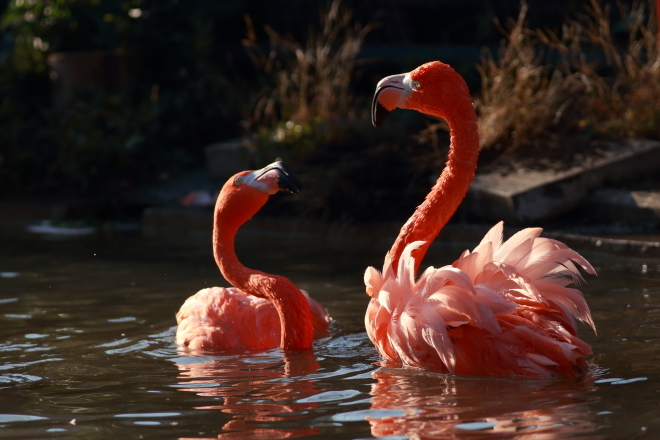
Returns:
(87,351)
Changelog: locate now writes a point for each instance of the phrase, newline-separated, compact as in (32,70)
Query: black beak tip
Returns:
(287,181)
(379,114)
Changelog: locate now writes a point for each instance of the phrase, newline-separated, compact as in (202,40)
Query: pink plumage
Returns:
(221,318)
(502,309)
(262,310)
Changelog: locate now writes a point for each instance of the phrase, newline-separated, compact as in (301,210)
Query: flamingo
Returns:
(261,311)
(503,309)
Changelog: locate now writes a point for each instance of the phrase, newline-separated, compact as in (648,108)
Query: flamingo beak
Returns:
(391,92)
(286,180)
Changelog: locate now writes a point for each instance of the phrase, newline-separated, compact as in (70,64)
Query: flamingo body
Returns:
(262,310)
(222,318)
(504,308)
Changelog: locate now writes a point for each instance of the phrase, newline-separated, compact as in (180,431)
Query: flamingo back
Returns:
(502,309)
(221,318)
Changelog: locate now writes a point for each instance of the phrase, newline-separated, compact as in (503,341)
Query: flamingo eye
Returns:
(415,85)
(238,180)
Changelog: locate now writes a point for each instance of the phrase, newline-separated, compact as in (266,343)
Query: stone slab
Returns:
(526,196)
(225,159)
(636,207)
(649,248)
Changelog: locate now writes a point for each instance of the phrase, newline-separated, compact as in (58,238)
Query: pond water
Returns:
(86,346)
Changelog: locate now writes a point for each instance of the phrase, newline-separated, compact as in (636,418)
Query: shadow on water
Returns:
(86,350)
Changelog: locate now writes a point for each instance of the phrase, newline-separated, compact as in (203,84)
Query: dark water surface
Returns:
(86,340)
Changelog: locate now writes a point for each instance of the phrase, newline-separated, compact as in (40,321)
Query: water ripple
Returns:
(330,396)
(17,378)
(6,418)
(139,346)
(619,380)
(124,319)
(115,343)
(24,364)
(359,416)
(476,426)
(331,374)
(149,415)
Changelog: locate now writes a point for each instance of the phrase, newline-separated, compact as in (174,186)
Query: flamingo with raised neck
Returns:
(261,310)
(502,309)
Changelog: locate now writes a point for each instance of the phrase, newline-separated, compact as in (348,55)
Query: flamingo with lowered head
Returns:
(502,309)
(261,310)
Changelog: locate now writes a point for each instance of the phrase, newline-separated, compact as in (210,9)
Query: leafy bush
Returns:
(181,101)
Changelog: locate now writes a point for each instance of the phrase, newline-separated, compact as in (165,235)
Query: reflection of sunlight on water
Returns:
(436,405)
(253,392)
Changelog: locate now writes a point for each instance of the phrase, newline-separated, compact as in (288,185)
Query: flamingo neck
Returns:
(451,187)
(297,329)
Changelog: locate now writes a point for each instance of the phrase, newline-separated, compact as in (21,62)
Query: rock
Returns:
(649,248)
(225,159)
(636,207)
(527,196)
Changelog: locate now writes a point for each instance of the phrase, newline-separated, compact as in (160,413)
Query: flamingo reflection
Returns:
(432,406)
(256,390)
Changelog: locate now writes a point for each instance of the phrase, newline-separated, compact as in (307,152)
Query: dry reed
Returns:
(313,80)
(594,81)
(521,97)
(626,100)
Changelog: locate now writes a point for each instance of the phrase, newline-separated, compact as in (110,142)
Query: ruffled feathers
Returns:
(502,309)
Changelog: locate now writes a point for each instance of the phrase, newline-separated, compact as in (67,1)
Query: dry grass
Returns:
(600,81)
(521,96)
(626,100)
(312,80)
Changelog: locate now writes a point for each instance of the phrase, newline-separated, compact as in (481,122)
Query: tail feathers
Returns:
(373,280)
(377,322)
(455,304)
(434,279)
(421,338)
(503,308)
(496,304)
(494,235)
(388,270)
(435,335)
(557,264)
(474,263)
(516,250)
(406,269)
(540,352)
(572,299)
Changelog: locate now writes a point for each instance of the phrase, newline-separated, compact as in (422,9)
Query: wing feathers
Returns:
(503,308)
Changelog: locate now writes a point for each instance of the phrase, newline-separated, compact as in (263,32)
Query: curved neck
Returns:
(297,329)
(449,190)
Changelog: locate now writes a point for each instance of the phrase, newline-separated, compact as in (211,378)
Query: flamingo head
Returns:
(272,178)
(431,88)
(246,192)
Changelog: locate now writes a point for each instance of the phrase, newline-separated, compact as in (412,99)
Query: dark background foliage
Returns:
(192,83)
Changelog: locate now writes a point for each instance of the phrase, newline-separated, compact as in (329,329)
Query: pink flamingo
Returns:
(502,309)
(262,310)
